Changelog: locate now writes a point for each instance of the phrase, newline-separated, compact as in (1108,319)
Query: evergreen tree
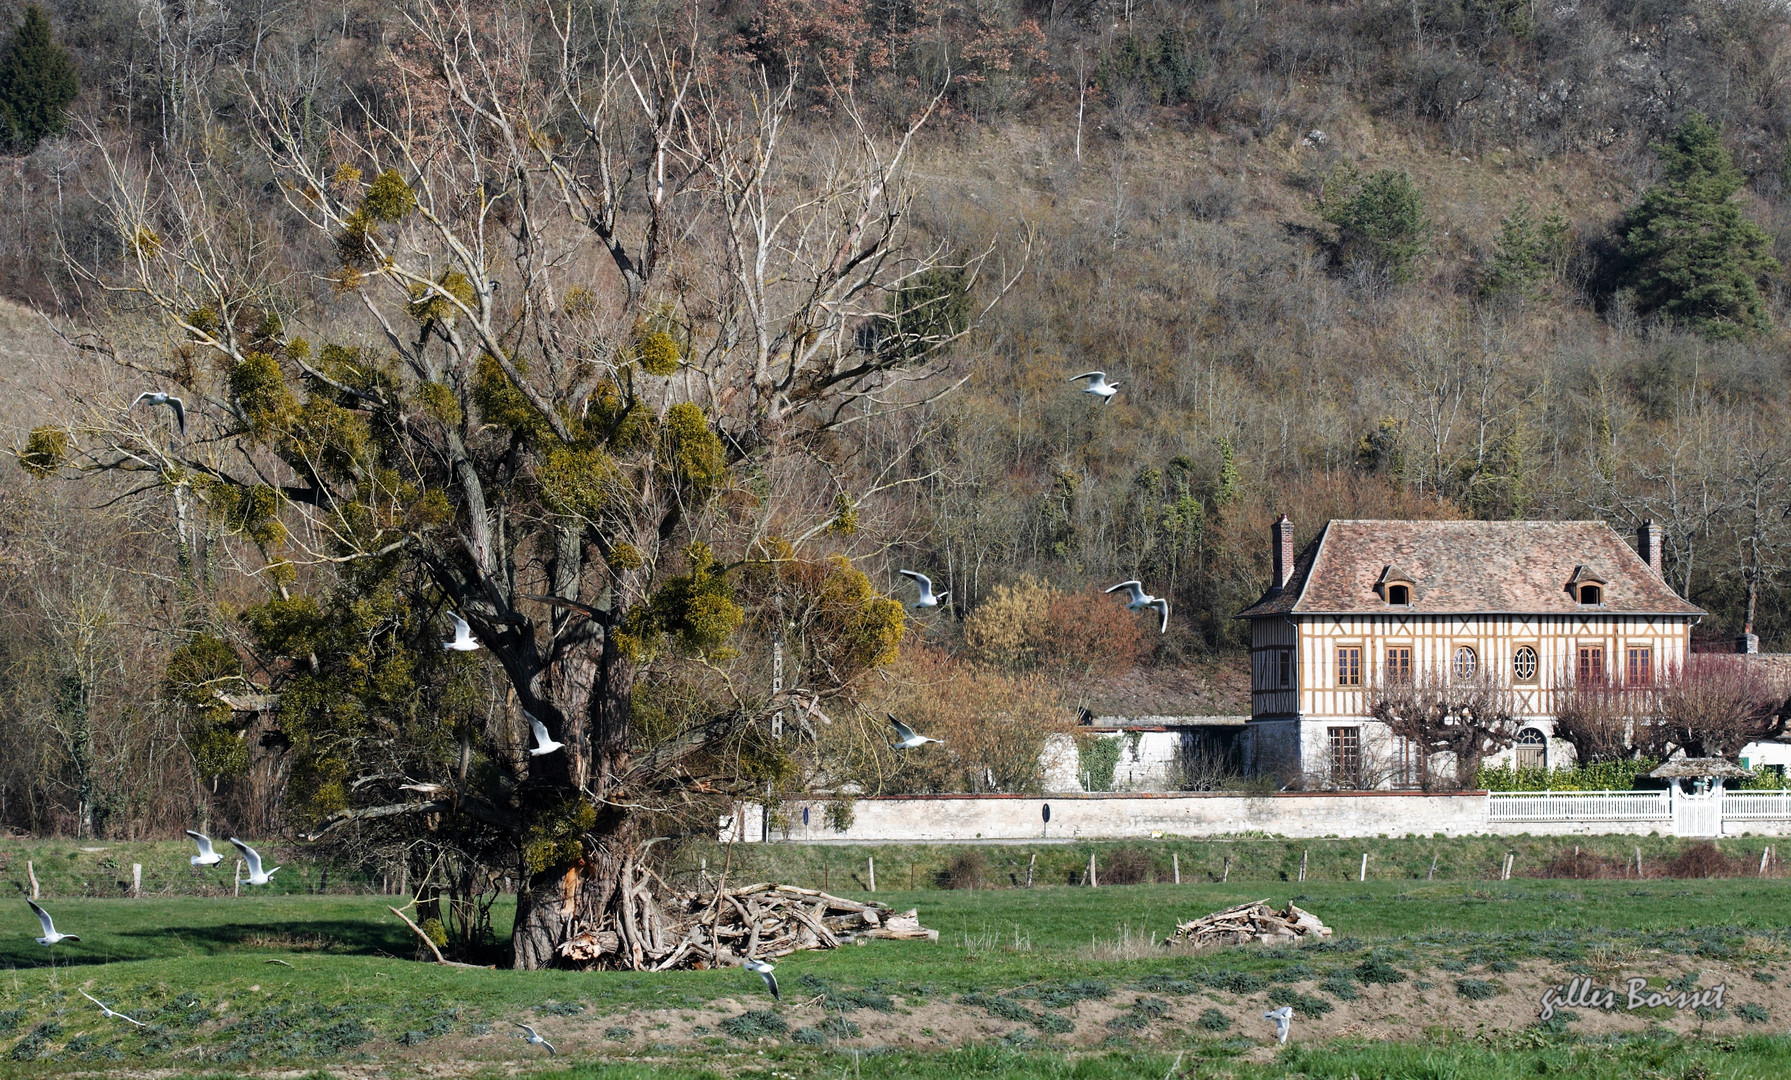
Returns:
(1687,251)
(37,82)
(1380,220)
(1519,255)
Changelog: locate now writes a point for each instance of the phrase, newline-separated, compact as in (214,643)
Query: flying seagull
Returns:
(51,936)
(156,397)
(206,856)
(1098,384)
(463,636)
(1283,1018)
(533,1038)
(906,739)
(253,858)
(763,970)
(1142,600)
(544,743)
(927,597)
(107,1011)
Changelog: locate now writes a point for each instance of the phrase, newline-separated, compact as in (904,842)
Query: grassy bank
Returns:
(101,869)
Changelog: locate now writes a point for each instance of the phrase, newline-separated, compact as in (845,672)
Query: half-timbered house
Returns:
(1534,604)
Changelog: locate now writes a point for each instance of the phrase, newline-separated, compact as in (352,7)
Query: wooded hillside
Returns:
(1443,258)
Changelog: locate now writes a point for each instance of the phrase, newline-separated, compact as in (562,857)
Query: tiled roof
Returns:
(1458,567)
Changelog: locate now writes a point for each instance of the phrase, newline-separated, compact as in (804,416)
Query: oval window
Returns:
(1466,663)
(1523,662)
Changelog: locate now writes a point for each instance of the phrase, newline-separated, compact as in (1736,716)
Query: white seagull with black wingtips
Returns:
(253,858)
(533,1038)
(927,597)
(763,970)
(906,739)
(206,856)
(544,743)
(463,636)
(1098,386)
(1283,1018)
(156,397)
(1142,600)
(51,934)
(107,1011)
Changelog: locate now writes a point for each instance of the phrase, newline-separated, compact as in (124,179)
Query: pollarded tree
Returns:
(591,378)
(1687,251)
(1467,717)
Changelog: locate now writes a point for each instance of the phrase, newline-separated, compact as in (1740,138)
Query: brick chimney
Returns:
(1648,545)
(1282,531)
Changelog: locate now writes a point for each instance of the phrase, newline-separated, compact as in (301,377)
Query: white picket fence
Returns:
(1689,815)
(1540,806)
(1757,805)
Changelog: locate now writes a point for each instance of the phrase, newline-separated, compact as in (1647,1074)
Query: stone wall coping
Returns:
(1101,795)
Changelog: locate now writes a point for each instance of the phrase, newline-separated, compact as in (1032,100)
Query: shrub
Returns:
(966,870)
(1475,989)
(1752,1013)
(1376,970)
(1340,985)
(754,1024)
(1126,866)
(1213,1020)
(1705,861)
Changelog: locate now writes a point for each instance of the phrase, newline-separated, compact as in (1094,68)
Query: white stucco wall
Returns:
(945,818)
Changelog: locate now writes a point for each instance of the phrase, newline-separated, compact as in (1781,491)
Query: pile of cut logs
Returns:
(724,926)
(1255,921)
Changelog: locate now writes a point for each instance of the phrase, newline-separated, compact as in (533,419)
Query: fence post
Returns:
(236,879)
(1176,861)
(1226,876)
(1030,863)
(870,862)
(137,879)
(1638,861)
(1303,855)
(1093,883)
(1765,851)
(31,872)
(1432,876)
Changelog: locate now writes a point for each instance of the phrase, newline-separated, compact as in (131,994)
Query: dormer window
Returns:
(1395,587)
(1586,586)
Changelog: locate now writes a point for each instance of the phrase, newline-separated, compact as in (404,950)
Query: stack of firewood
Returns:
(723,926)
(1255,921)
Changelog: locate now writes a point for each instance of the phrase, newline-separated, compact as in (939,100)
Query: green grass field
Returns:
(350,994)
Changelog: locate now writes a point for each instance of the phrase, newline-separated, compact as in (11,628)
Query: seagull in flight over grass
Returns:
(1142,600)
(1283,1018)
(253,858)
(533,1038)
(763,970)
(544,743)
(156,397)
(107,1011)
(206,856)
(928,598)
(463,636)
(51,936)
(906,739)
(1098,385)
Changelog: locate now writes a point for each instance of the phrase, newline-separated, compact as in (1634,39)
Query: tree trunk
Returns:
(560,903)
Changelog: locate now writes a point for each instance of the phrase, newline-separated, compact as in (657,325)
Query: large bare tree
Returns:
(602,337)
